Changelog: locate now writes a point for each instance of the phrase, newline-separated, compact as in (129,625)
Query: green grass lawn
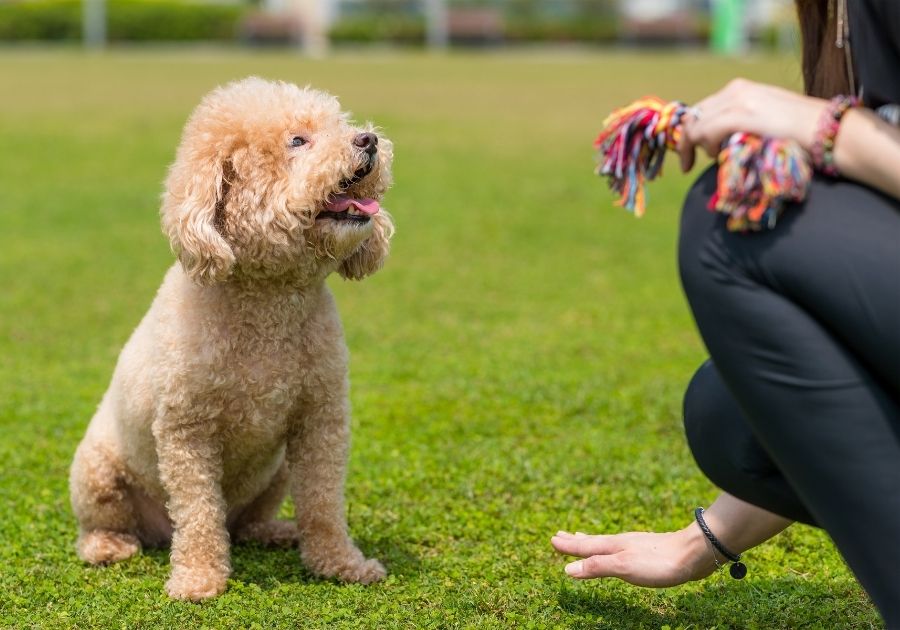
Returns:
(517,367)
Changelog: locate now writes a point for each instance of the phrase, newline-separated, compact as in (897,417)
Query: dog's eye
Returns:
(298,141)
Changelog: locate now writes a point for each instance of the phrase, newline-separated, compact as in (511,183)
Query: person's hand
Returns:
(750,107)
(640,558)
(660,560)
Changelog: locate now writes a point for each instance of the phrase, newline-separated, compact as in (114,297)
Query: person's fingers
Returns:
(716,138)
(584,545)
(687,145)
(712,148)
(706,134)
(595,567)
(709,127)
(711,106)
(686,153)
(564,534)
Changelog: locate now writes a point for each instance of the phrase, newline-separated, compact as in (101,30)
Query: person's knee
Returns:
(698,420)
(719,437)
(708,416)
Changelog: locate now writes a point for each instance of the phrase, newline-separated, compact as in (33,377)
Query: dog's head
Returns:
(273,179)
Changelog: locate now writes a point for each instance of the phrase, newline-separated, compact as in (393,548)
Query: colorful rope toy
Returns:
(757,177)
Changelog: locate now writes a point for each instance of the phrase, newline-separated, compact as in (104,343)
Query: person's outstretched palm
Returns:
(640,558)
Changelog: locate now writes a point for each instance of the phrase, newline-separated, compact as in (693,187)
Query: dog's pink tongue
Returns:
(342,203)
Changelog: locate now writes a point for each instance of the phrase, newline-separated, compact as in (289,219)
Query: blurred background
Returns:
(315,26)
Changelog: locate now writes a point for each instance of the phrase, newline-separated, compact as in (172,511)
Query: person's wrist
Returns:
(850,120)
(828,129)
(697,556)
(809,113)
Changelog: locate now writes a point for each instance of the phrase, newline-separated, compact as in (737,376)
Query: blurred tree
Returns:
(525,8)
(595,7)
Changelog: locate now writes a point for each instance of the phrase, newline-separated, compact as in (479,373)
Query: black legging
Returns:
(798,411)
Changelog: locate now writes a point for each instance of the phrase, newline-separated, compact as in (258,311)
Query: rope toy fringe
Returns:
(757,177)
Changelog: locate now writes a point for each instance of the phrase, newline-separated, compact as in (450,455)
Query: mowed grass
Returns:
(517,367)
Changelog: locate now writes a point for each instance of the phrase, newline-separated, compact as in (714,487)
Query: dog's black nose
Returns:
(368,142)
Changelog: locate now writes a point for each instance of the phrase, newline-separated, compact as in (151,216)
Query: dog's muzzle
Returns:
(368,144)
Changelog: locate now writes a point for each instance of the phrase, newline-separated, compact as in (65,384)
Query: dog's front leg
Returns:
(190,468)
(317,457)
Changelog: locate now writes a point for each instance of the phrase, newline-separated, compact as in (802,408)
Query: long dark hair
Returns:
(824,64)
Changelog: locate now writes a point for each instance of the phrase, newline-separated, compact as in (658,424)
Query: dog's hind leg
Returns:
(98,484)
(258,521)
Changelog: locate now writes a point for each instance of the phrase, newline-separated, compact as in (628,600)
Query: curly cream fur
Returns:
(233,389)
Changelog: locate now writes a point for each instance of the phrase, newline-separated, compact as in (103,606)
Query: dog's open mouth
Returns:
(358,175)
(345,208)
(341,205)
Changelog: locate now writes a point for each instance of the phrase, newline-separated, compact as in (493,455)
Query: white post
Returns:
(314,16)
(93,23)
(437,36)
(648,9)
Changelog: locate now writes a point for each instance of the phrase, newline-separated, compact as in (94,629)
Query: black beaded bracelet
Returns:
(738,569)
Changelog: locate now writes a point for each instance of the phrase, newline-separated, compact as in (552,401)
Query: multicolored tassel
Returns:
(757,176)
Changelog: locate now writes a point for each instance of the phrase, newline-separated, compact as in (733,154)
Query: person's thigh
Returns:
(837,257)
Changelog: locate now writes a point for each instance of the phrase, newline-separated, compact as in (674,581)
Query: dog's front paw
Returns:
(350,566)
(102,546)
(196,584)
(365,572)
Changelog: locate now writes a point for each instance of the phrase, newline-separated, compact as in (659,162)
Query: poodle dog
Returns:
(233,389)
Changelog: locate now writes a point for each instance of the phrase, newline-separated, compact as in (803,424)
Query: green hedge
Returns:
(399,29)
(127,20)
(411,30)
(588,30)
(174,20)
(40,20)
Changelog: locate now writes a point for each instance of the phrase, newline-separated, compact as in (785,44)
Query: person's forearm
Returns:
(867,150)
(739,525)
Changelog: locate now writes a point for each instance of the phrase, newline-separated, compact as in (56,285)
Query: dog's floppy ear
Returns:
(372,253)
(193,217)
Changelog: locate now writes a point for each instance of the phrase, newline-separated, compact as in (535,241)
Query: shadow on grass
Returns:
(764,604)
(270,567)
